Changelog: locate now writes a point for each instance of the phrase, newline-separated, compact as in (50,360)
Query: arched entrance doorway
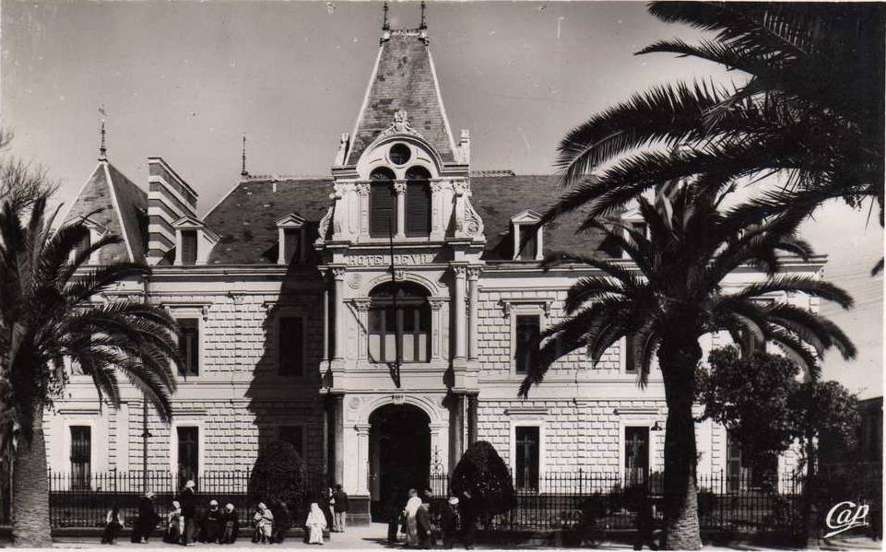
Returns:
(399,453)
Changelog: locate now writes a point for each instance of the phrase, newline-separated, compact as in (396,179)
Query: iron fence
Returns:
(553,501)
(75,501)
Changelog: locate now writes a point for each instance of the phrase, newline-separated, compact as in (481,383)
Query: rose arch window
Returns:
(382,204)
(399,323)
(418,202)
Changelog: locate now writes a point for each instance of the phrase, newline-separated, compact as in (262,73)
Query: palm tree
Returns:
(674,296)
(46,315)
(809,108)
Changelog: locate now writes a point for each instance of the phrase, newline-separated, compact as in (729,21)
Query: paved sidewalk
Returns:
(374,537)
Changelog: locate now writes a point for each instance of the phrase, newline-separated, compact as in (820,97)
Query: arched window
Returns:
(399,323)
(418,202)
(382,204)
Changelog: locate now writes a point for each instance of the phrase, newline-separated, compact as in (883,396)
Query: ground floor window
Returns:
(188,453)
(526,456)
(81,456)
(294,435)
(741,472)
(636,455)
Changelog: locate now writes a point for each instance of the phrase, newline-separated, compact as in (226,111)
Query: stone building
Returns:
(292,317)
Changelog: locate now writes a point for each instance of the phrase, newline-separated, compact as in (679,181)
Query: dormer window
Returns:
(528,236)
(418,202)
(189,247)
(382,204)
(194,241)
(638,226)
(291,240)
(94,234)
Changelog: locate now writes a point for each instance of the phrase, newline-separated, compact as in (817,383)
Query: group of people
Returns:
(423,523)
(186,523)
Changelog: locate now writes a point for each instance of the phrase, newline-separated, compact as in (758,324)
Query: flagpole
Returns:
(395,369)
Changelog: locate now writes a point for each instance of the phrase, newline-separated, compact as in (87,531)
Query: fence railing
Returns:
(550,501)
(75,501)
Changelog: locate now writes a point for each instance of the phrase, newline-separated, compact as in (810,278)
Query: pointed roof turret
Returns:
(403,79)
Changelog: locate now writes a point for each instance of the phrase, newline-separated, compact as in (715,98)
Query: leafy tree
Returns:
(674,296)
(483,481)
(280,474)
(807,106)
(47,314)
(750,397)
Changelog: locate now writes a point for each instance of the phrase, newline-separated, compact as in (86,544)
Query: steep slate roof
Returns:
(245,219)
(404,78)
(497,199)
(106,190)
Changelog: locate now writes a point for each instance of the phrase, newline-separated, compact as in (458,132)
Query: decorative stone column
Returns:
(362,306)
(362,189)
(460,272)
(473,310)
(472,418)
(400,190)
(456,429)
(437,211)
(338,432)
(436,335)
(338,274)
(362,459)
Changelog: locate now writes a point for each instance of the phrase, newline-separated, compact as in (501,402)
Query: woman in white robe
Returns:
(412,506)
(315,523)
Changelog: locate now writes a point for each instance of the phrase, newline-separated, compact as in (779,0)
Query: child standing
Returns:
(113,525)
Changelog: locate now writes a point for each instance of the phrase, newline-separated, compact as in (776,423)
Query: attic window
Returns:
(528,236)
(382,204)
(83,244)
(291,245)
(291,239)
(189,247)
(399,154)
(638,226)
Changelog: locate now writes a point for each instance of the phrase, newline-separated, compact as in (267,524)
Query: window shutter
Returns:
(189,247)
(418,209)
(383,209)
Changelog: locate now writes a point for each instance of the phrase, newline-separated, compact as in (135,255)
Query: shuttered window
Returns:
(81,456)
(189,347)
(418,202)
(527,340)
(382,204)
(189,247)
(291,339)
(404,330)
(292,245)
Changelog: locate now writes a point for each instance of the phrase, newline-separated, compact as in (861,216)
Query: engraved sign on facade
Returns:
(385,260)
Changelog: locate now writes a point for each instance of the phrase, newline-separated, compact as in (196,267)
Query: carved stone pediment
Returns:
(400,125)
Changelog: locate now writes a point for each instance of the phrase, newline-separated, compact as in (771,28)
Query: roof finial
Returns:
(243,171)
(102,150)
(424,24)
(386,25)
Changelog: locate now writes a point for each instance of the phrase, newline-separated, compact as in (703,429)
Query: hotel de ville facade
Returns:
(297,295)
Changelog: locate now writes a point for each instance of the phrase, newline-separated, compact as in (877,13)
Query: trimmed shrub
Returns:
(280,475)
(481,478)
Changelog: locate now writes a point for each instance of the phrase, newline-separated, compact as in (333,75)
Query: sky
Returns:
(185,81)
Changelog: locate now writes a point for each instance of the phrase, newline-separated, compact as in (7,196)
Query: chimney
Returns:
(169,199)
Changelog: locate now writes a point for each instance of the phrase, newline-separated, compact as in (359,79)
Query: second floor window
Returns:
(526,342)
(399,326)
(382,204)
(189,347)
(291,340)
(630,359)
(418,202)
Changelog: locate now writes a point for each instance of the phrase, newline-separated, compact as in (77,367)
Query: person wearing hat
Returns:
(450,522)
(188,501)
(147,519)
(212,523)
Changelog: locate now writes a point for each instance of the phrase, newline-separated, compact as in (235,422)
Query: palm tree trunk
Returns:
(678,360)
(30,482)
